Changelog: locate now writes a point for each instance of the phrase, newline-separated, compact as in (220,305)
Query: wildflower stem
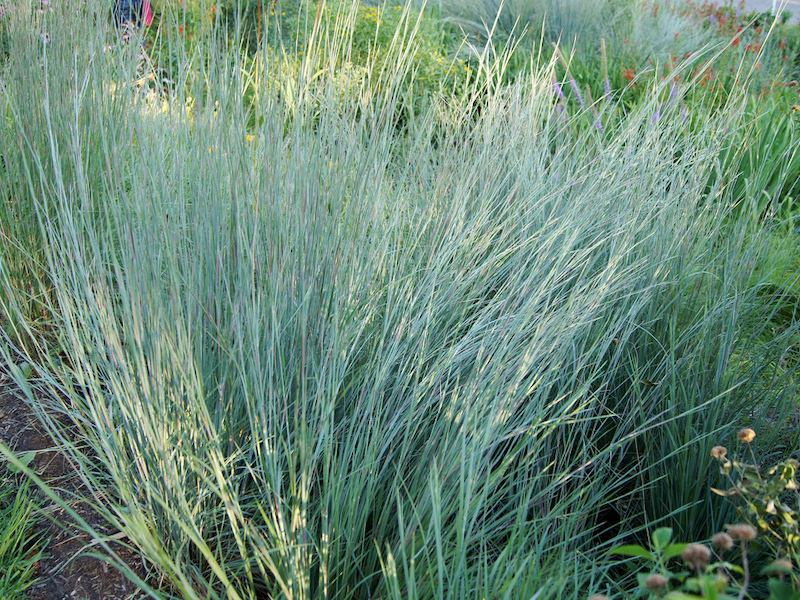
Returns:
(746,567)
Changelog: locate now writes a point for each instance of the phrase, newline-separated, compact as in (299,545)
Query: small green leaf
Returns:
(25,459)
(710,591)
(633,550)
(679,595)
(780,590)
(661,537)
(732,568)
(26,370)
(674,550)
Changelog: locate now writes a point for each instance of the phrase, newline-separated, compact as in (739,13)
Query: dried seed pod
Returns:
(742,531)
(722,541)
(746,435)
(655,582)
(696,555)
(719,452)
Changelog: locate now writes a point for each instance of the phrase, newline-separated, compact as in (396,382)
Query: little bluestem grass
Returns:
(309,355)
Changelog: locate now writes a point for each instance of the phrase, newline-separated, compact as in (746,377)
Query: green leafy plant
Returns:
(761,159)
(661,551)
(765,497)
(699,577)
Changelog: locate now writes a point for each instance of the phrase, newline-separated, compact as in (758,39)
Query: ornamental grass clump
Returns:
(296,351)
(20,546)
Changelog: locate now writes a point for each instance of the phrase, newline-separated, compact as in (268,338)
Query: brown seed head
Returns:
(696,555)
(780,566)
(655,582)
(742,531)
(719,452)
(746,435)
(722,541)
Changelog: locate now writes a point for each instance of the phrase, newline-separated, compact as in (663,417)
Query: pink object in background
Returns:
(148,12)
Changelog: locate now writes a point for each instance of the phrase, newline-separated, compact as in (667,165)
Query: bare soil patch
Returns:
(65,572)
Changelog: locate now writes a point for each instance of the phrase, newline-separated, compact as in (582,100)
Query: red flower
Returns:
(629,74)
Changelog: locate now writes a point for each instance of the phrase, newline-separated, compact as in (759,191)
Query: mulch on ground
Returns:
(65,572)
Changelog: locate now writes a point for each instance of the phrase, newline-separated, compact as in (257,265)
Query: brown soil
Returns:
(65,572)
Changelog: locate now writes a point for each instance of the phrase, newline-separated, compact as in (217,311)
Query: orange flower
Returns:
(629,74)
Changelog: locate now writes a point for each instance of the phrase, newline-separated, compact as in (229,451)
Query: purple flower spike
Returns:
(559,91)
(657,114)
(608,87)
(561,112)
(599,124)
(673,91)
(574,85)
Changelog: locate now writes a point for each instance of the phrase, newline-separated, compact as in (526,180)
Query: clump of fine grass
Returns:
(316,358)
(18,551)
